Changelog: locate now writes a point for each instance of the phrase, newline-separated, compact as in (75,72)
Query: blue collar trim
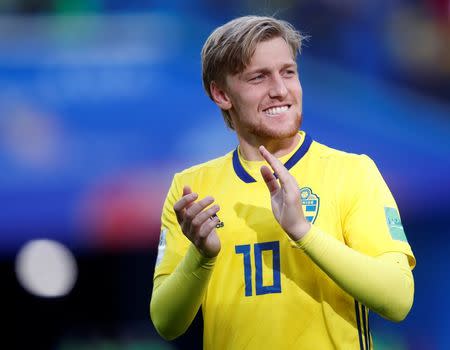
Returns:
(295,158)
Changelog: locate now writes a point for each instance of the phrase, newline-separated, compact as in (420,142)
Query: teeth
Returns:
(276,110)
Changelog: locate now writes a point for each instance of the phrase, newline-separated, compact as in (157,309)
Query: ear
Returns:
(220,96)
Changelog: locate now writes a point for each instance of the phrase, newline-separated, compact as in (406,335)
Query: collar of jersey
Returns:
(244,175)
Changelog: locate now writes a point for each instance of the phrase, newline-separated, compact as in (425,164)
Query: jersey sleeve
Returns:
(172,243)
(371,220)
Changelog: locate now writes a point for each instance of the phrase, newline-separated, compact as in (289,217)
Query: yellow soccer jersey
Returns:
(264,293)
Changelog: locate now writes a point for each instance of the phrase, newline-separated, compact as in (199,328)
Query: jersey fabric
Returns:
(263,292)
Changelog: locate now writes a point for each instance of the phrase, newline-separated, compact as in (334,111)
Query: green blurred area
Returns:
(77,7)
(114,345)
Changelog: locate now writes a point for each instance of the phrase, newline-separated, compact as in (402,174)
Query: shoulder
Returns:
(198,177)
(341,159)
(345,169)
(209,168)
(353,175)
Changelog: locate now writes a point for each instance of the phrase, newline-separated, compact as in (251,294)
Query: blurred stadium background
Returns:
(101,102)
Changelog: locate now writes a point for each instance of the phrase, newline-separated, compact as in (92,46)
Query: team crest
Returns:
(310,204)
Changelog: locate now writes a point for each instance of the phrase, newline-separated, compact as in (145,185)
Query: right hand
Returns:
(197,223)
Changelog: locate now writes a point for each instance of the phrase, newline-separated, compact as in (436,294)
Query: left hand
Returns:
(285,197)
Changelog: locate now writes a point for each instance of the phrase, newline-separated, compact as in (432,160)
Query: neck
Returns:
(278,147)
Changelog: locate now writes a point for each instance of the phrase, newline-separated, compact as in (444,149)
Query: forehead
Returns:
(272,52)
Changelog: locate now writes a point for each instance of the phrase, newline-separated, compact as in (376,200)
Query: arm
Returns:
(178,295)
(384,284)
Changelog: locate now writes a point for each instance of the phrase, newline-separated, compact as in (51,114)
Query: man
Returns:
(307,238)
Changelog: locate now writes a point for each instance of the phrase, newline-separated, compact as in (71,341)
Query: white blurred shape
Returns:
(46,268)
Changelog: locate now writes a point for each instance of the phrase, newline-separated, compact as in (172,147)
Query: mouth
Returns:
(275,111)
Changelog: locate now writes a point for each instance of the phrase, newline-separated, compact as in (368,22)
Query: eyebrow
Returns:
(266,70)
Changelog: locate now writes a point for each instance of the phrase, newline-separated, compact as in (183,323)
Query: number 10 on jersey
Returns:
(258,249)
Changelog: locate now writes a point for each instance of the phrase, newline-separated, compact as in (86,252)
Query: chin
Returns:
(282,134)
(281,131)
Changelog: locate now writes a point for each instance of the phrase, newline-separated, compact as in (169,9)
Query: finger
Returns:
(186,190)
(208,226)
(185,201)
(273,161)
(269,179)
(205,215)
(279,169)
(197,207)
(201,217)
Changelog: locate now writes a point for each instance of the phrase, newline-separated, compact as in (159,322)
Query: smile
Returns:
(276,110)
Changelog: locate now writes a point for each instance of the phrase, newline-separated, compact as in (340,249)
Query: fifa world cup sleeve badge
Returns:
(161,246)
(395,224)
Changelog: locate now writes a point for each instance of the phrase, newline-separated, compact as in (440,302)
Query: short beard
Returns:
(266,133)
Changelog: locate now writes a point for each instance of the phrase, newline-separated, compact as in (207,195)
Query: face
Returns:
(265,100)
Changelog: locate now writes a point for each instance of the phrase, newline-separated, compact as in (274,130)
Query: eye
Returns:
(256,78)
(290,72)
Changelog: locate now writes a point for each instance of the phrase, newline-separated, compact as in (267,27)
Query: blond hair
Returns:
(230,47)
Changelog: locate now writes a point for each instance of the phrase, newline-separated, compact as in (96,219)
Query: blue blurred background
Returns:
(101,102)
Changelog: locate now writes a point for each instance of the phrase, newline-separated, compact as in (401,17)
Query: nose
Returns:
(278,87)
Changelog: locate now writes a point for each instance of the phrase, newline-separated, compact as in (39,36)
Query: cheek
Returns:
(250,98)
(296,88)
